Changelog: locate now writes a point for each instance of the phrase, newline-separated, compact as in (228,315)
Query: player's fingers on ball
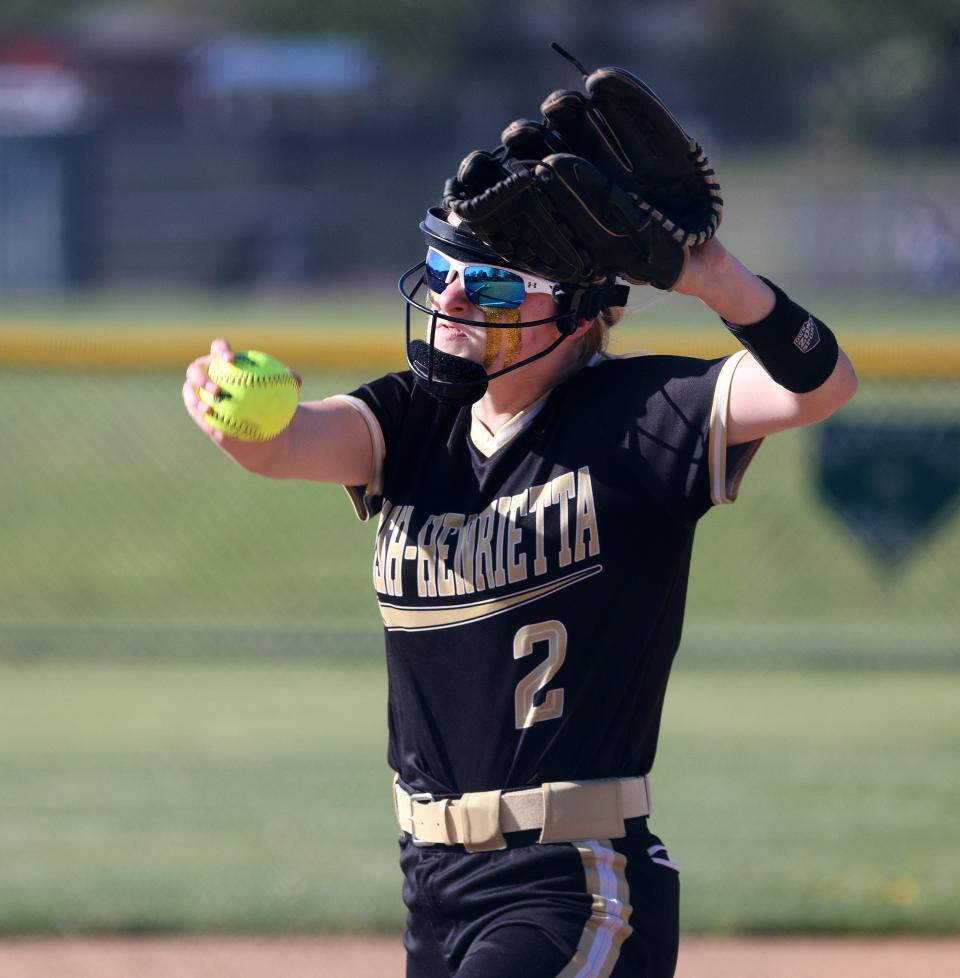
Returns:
(198,366)
(198,377)
(196,405)
(221,348)
(196,374)
(190,398)
(199,417)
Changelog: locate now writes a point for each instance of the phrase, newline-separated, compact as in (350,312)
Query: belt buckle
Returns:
(419,798)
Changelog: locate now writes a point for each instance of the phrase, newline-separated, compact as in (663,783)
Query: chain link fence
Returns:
(124,533)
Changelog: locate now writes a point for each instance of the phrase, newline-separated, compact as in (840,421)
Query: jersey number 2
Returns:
(527,712)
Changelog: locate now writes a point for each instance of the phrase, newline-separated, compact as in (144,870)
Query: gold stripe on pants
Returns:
(608,925)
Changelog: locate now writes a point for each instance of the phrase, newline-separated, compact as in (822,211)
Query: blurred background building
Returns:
(286,143)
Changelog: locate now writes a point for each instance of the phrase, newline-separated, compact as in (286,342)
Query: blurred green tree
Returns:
(878,71)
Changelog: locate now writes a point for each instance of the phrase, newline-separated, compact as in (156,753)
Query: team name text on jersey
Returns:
(457,553)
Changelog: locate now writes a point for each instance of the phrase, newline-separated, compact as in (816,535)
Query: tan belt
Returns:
(564,811)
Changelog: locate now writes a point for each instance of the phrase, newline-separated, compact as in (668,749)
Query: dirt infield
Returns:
(378,957)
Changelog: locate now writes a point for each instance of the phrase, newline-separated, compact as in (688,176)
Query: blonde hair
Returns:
(595,338)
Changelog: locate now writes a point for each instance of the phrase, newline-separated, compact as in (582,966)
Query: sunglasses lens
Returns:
(437,270)
(493,287)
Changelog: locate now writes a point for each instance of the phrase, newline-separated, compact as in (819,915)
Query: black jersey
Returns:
(532,582)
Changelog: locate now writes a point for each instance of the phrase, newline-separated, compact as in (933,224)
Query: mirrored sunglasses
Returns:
(485,285)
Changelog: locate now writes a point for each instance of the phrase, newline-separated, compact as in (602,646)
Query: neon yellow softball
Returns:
(258,396)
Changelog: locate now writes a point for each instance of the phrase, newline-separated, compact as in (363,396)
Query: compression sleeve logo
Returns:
(808,337)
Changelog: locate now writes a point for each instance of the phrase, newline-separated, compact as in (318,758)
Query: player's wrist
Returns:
(725,285)
(706,267)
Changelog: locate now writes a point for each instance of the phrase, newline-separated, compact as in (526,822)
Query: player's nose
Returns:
(453,299)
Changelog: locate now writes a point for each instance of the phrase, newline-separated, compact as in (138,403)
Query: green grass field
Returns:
(254,797)
(192,692)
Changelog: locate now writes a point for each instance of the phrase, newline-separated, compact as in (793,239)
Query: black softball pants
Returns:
(592,909)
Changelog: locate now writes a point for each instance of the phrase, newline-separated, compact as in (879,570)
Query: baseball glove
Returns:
(608,183)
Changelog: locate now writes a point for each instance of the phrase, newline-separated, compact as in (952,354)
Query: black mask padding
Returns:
(456,380)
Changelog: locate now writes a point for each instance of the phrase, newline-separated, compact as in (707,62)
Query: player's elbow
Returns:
(843,382)
(836,391)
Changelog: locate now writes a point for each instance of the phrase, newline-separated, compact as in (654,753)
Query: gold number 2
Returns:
(555,635)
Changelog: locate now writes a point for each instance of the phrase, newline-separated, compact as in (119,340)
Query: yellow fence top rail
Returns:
(158,346)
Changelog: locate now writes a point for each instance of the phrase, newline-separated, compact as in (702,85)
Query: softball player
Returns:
(537,501)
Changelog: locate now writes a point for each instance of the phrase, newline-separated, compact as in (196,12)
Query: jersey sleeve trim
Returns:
(360,496)
(724,479)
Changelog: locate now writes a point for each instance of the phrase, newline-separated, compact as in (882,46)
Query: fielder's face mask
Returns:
(493,288)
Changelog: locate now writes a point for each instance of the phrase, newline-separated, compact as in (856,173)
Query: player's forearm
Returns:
(296,453)
(260,457)
(325,442)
